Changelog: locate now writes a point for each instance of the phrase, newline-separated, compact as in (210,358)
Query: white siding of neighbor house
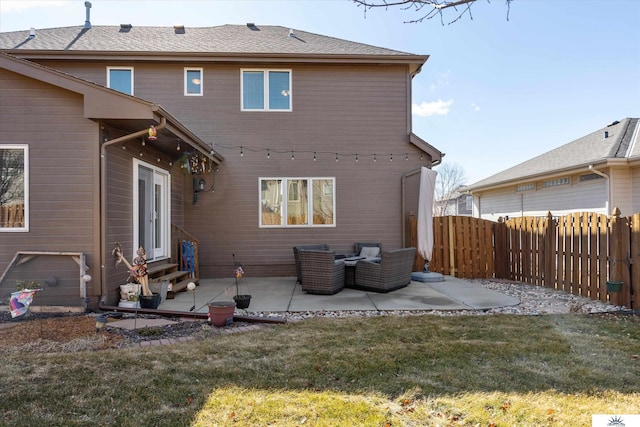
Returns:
(635,189)
(587,196)
(621,180)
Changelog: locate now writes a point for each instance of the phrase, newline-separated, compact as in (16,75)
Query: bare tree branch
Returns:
(437,8)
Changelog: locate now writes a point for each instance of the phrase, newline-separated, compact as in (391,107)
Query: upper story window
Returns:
(14,187)
(120,79)
(266,90)
(193,81)
(308,202)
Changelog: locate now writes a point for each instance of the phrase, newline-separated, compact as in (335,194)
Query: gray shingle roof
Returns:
(592,148)
(225,39)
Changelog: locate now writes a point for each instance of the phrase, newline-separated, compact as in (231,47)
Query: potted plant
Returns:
(242,301)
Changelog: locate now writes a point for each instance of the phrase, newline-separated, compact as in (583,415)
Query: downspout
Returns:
(103,198)
(605,176)
(403,184)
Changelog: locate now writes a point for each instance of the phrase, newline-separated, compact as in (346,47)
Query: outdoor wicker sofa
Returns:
(391,273)
(321,272)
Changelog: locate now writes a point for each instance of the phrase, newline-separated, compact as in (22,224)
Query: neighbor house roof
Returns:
(619,140)
(226,41)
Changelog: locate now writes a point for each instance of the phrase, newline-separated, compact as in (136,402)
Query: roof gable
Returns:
(610,142)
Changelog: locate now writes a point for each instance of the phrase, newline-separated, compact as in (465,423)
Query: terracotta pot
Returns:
(220,312)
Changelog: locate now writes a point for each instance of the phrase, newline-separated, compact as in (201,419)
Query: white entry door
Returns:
(152,216)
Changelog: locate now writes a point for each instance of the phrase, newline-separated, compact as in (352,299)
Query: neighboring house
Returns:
(595,173)
(458,203)
(266,138)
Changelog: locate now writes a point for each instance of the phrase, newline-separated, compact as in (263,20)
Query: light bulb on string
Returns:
(356,157)
(374,158)
(292,157)
(241,152)
(143,143)
(406,156)
(314,156)
(268,154)
(336,157)
(178,147)
(391,157)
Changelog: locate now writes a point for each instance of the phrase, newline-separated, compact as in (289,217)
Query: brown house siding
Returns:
(336,108)
(62,161)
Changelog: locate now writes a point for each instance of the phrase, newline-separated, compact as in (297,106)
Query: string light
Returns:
(336,155)
(143,143)
(178,147)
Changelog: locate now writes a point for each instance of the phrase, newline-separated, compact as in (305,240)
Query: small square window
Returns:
(120,79)
(193,82)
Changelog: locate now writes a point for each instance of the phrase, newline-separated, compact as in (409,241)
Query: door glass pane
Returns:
(271,201)
(298,202)
(323,196)
(158,217)
(145,210)
(253,90)
(12,188)
(121,80)
(279,91)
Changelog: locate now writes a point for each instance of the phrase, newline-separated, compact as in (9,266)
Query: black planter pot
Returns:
(242,301)
(150,302)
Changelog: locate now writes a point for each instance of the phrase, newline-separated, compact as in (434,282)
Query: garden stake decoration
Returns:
(21,300)
(138,271)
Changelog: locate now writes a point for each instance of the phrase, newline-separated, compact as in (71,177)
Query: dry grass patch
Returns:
(510,370)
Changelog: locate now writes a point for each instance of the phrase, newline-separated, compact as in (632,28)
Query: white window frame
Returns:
(163,177)
(284,187)
(109,69)
(25,149)
(265,89)
(186,81)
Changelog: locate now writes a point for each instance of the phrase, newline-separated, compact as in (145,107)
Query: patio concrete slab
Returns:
(283,294)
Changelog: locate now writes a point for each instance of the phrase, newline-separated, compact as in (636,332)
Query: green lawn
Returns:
(385,371)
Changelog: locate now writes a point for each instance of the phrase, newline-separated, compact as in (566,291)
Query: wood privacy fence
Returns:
(577,253)
(12,215)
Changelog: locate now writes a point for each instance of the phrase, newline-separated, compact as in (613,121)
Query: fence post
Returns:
(501,263)
(619,261)
(549,238)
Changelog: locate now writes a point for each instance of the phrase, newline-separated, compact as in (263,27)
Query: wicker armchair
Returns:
(391,273)
(321,272)
(296,256)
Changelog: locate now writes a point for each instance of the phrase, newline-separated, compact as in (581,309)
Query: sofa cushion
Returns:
(370,252)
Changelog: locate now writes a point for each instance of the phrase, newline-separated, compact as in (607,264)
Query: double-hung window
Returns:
(266,90)
(307,202)
(120,79)
(14,187)
(193,82)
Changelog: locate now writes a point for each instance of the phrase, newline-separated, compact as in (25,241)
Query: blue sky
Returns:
(493,93)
